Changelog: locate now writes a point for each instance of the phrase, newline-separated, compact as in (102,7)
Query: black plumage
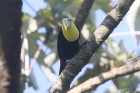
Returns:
(66,49)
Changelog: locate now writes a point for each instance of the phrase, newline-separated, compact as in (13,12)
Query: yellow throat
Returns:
(70,33)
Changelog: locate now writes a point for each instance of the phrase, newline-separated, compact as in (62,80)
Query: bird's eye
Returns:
(71,20)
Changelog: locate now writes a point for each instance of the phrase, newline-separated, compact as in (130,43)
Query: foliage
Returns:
(48,20)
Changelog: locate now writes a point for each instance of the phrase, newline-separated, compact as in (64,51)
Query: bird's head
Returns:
(69,29)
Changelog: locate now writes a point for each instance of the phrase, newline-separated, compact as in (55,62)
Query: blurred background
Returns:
(40,63)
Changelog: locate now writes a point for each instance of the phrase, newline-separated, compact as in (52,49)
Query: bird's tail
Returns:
(62,65)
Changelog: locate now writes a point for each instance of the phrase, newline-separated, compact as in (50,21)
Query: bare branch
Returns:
(85,53)
(131,66)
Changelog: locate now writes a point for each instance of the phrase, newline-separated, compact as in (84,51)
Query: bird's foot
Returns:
(69,61)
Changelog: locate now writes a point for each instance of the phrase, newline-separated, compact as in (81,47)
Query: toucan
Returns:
(67,42)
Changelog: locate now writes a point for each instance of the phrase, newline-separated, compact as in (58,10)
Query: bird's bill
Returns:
(66,23)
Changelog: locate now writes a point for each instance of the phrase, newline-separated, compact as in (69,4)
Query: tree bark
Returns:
(131,66)
(83,13)
(10,45)
(90,47)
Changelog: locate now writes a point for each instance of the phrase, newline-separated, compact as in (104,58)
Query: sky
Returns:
(43,83)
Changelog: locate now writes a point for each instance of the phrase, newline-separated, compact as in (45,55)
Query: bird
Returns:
(67,42)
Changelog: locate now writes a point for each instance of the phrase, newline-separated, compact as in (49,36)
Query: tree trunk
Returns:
(10,45)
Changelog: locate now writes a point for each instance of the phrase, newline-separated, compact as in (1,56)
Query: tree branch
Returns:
(131,66)
(83,13)
(90,47)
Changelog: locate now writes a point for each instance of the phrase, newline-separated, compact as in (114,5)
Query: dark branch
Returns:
(85,53)
(83,13)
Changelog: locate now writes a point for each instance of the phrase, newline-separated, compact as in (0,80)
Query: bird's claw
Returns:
(69,61)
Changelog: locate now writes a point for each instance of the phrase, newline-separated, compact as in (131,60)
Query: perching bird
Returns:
(68,42)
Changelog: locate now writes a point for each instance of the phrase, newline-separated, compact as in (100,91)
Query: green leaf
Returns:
(32,80)
(121,46)
(102,4)
(33,46)
(32,38)
(25,22)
